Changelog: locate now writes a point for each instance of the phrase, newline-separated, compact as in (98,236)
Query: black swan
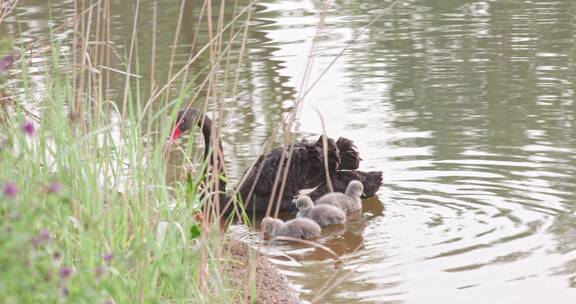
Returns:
(302,164)
(324,215)
(300,228)
(349,201)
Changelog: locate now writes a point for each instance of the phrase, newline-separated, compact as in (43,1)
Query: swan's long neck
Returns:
(206,124)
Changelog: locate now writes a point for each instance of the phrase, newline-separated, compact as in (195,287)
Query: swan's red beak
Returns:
(175,134)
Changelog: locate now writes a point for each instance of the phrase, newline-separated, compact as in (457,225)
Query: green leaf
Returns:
(190,186)
(195,231)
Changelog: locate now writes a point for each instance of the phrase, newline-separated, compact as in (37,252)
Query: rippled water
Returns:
(468,108)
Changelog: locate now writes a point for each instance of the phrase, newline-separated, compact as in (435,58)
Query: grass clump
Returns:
(86,214)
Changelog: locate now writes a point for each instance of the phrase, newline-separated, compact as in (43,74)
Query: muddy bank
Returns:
(271,285)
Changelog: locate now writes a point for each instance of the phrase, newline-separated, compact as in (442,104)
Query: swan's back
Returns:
(258,185)
(300,228)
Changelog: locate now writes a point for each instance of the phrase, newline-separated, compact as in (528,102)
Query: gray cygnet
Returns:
(300,228)
(349,202)
(324,215)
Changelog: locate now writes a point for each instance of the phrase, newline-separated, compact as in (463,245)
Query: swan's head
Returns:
(185,121)
(270,225)
(355,189)
(304,202)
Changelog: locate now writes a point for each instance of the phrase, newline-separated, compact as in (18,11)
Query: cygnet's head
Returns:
(355,188)
(270,225)
(304,202)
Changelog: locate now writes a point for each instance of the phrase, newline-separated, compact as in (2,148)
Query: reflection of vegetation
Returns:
(264,100)
(261,91)
(475,70)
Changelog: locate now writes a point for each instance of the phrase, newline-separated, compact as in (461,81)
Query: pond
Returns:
(468,108)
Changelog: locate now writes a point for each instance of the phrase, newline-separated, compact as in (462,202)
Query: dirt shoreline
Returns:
(271,285)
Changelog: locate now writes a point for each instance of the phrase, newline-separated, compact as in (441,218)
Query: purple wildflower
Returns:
(65,272)
(107,257)
(53,188)
(6,61)
(10,190)
(41,238)
(44,235)
(28,128)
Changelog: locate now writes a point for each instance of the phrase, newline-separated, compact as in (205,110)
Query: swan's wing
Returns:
(274,164)
(333,150)
(349,154)
(267,171)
